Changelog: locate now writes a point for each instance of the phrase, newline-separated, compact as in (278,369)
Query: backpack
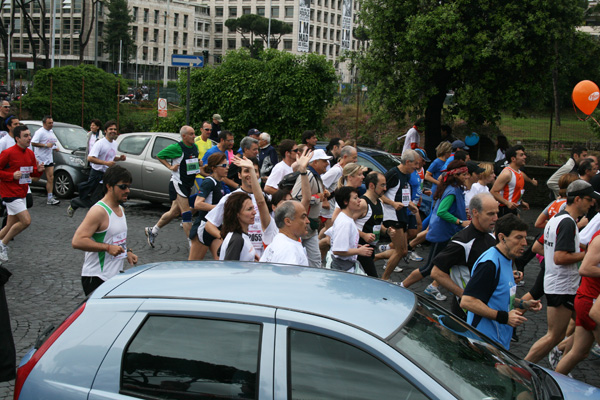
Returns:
(289,180)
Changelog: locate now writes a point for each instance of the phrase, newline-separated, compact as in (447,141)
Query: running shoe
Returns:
(413,256)
(52,201)
(3,252)
(595,351)
(398,269)
(554,357)
(435,293)
(70,212)
(383,247)
(150,236)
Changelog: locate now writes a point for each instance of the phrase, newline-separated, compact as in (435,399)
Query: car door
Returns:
(317,357)
(133,146)
(182,349)
(155,176)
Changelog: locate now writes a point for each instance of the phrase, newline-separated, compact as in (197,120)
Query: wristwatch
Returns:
(460,222)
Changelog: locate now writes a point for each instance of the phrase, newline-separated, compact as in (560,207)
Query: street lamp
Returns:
(98,4)
(10,7)
(166,70)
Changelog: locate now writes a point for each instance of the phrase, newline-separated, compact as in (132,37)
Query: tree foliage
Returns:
(280,93)
(117,30)
(258,25)
(100,94)
(493,55)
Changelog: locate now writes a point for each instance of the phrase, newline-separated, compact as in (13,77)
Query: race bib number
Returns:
(192,166)
(405,196)
(256,237)
(25,175)
(121,241)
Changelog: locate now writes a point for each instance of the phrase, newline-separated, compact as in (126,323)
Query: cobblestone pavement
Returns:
(46,286)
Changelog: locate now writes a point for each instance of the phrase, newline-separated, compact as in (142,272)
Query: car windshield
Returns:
(71,137)
(459,358)
(388,161)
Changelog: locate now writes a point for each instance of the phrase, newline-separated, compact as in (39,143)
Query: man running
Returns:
(182,160)
(103,232)
(44,143)
(17,166)
(510,184)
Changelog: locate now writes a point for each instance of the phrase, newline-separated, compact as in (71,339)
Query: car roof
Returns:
(39,122)
(363,149)
(371,304)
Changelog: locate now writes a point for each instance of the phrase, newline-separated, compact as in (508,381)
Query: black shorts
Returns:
(182,188)
(49,165)
(412,222)
(395,224)
(557,300)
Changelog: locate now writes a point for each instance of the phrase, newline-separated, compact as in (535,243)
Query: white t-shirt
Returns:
(499,155)
(270,233)
(476,188)
(590,229)
(285,251)
(105,151)
(344,236)
(247,252)
(412,136)
(6,142)
(44,154)
(280,170)
(255,232)
(330,180)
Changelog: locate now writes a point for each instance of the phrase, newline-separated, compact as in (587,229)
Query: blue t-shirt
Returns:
(435,169)
(415,187)
(212,151)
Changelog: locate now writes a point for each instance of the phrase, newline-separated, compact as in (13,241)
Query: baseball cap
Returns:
(582,188)
(217,117)
(319,154)
(474,167)
(423,154)
(253,131)
(459,144)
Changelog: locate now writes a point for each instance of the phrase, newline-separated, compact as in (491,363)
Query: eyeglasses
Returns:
(5,106)
(207,129)
(221,165)
(295,150)
(123,186)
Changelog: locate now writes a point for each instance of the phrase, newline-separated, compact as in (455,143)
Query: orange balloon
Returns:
(586,96)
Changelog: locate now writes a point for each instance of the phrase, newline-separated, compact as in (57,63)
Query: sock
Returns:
(401,284)
(410,248)
(50,196)
(155,229)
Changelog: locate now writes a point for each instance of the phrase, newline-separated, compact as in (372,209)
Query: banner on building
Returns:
(304,25)
(346,25)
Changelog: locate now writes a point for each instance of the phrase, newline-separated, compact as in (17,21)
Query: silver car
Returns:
(69,161)
(150,177)
(231,330)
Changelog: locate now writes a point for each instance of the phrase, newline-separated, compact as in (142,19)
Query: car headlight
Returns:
(76,161)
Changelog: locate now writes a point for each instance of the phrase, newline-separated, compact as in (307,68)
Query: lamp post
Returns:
(53,34)
(10,8)
(166,55)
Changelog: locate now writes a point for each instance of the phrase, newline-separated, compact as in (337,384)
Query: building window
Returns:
(145,54)
(260,11)
(185,21)
(155,54)
(76,25)
(287,44)
(16,45)
(318,31)
(176,20)
(218,11)
(134,33)
(218,44)
(155,36)
(135,12)
(325,15)
(146,18)
(231,44)
(66,25)
(332,18)
(339,19)
(246,10)
(145,35)
(175,38)
(100,28)
(317,47)
(185,36)
(232,12)
(337,35)
(156,17)
(66,46)
(289,12)
(275,12)
(207,27)
(218,28)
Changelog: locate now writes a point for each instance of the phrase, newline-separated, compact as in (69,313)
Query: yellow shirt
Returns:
(203,146)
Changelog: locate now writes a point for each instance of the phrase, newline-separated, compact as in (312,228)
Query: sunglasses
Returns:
(207,129)
(123,186)
(295,150)
(221,165)
(5,106)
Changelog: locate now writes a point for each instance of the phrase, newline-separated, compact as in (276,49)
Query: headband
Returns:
(455,171)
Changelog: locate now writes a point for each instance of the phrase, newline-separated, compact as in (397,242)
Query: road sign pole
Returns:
(187,103)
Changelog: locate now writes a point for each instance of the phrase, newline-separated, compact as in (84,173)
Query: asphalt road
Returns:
(46,286)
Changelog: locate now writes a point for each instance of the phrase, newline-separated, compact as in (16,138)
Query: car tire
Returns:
(64,188)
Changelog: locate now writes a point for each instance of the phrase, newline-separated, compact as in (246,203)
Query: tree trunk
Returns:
(433,122)
(84,42)
(555,85)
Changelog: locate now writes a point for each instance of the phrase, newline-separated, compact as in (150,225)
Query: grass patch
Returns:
(537,127)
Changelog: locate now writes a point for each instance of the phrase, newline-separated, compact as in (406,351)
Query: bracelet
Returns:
(129,250)
(502,317)
(303,173)
(521,305)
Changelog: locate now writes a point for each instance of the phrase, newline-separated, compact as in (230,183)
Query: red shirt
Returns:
(11,160)
(589,287)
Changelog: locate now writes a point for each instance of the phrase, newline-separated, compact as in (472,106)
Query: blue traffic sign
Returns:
(187,60)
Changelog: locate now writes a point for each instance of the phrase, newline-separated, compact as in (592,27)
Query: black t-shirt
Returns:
(398,180)
(481,286)
(565,234)
(464,249)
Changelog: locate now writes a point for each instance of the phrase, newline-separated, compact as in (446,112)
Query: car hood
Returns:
(573,389)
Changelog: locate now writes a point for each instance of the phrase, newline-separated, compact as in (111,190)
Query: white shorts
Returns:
(16,206)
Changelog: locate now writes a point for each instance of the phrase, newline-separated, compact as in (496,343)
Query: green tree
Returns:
(493,55)
(100,94)
(117,30)
(258,25)
(280,93)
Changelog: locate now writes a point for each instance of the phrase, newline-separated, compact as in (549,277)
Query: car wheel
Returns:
(64,188)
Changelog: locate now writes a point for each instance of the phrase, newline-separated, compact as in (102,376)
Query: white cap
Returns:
(319,154)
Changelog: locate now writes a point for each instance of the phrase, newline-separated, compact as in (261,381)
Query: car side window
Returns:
(173,357)
(367,163)
(326,368)
(159,144)
(134,145)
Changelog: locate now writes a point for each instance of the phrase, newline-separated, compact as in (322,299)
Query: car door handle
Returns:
(149,169)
